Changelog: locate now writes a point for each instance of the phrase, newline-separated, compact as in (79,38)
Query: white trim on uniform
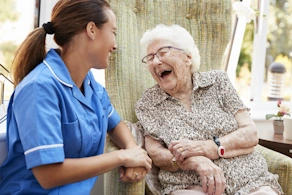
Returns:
(63,82)
(43,147)
(111,111)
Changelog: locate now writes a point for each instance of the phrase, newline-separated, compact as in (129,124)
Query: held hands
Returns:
(212,177)
(136,163)
(132,175)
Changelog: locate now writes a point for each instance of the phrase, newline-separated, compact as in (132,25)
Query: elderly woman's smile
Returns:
(164,73)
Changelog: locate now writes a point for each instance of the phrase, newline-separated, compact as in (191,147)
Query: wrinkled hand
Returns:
(212,176)
(136,157)
(132,175)
(182,149)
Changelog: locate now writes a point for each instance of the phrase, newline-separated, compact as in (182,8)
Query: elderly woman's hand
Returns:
(132,175)
(212,177)
(182,149)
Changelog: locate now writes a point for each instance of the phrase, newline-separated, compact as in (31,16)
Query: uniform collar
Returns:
(58,68)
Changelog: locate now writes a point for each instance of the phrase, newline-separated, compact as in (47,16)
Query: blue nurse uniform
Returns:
(48,120)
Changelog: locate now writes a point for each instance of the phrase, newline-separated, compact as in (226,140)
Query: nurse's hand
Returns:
(136,157)
(132,175)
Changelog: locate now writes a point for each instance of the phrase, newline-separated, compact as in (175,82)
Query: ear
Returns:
(90,30)
(189,59)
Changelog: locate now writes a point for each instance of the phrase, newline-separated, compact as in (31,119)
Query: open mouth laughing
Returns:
(164,73)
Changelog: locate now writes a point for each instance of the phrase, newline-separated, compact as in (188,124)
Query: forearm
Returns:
(122,136)
(74,170)
(237,143)
(163,159)
(161,156)
(241,141)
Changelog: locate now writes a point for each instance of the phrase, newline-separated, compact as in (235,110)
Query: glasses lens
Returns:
(161,52)
(148,58)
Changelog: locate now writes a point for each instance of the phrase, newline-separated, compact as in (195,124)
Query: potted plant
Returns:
(278,118)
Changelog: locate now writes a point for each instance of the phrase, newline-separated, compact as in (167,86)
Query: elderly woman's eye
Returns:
(162,53)
(150,58)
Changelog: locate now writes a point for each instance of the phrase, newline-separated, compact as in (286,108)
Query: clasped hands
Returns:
(190,155)
(132,175)
(136,165)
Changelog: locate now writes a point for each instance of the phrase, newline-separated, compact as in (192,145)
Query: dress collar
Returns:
(203,79)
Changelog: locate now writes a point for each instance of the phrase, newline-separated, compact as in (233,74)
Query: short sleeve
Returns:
(113,117)
(227,94)
(38,119)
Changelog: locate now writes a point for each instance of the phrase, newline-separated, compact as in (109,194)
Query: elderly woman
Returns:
(197,130)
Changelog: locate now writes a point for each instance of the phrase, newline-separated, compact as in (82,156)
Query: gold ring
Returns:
(137,174)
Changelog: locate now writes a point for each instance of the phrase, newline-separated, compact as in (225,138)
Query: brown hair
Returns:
(69,17)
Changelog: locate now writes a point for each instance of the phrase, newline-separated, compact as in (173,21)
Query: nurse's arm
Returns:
(122,136)
(78,169)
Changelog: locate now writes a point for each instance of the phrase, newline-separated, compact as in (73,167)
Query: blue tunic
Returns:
(48,120)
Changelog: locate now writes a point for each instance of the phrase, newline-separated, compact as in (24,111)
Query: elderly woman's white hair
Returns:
(177,35)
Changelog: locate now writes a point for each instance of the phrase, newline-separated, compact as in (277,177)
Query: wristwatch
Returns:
(221,149)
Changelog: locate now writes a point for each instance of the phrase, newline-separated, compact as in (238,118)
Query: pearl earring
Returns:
(92,38)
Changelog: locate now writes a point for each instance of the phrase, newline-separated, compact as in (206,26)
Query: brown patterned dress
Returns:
(213,106)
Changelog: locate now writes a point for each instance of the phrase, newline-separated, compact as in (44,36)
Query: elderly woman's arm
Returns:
(239,142)
(161,156)
(243,140)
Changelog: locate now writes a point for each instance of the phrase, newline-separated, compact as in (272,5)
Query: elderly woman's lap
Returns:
(198,190)
(190,190)
(264,190)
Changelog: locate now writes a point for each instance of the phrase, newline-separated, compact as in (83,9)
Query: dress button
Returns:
(188,16)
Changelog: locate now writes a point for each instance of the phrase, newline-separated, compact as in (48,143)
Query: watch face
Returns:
(221,151)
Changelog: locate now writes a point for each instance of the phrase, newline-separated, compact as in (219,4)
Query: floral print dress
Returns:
(214,104)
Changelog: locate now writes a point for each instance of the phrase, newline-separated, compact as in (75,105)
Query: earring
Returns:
(92,38)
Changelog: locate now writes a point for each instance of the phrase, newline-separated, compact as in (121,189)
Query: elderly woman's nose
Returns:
(156,60)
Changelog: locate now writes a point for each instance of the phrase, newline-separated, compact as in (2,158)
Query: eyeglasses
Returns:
(160,53)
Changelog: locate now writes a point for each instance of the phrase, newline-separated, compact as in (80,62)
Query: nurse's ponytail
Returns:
(30,53)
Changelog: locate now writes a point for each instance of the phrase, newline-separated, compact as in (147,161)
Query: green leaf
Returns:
(268,116)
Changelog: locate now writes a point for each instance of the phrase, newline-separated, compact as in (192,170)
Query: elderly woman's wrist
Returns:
(211,151)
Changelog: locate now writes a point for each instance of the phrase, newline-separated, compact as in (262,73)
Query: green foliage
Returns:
(269,116)
(7,12)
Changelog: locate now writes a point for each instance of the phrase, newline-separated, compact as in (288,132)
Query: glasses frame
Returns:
(144,60)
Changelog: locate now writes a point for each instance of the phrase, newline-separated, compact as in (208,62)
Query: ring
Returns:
(137,174)
(180,150)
